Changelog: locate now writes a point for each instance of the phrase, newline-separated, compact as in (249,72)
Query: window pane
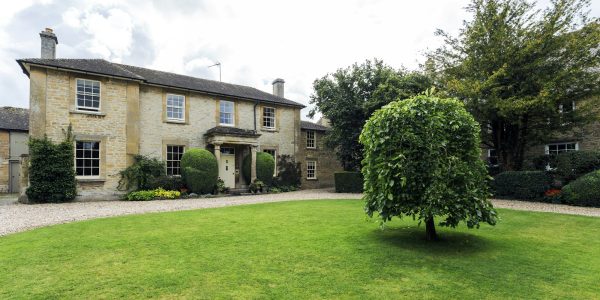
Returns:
(87,158)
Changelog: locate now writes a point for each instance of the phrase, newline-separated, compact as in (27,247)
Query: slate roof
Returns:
(14,118)
(312,126)
(149,76)
(226,130)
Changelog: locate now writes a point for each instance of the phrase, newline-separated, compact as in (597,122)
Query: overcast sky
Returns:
(256,41)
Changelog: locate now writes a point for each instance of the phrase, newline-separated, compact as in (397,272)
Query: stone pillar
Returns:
(253,162)
(24,179)
(218,155)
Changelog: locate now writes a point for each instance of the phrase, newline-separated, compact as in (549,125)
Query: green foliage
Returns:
(221,188)
(172,183)
(265,167)
(200,170)
(147,195)
(290,173)
(422,159)
(349,96)
(525,185)
(348,182)
(256,186)
(52,172)
(142,174)
(571,165)
(583,191)
(514,65)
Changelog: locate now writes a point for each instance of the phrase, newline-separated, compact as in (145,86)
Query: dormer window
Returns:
(226,113)
(175,107)
(88,95)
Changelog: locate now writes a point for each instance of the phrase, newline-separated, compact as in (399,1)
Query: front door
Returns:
(227,167)
(15,176)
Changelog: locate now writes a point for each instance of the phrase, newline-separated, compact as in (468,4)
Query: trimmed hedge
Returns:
(572,165)
(200,170)
(348,182)
(265,167)
(525,185)
(583,191)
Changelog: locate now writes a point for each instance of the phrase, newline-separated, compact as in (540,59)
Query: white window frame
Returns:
(88,108)
(489,155)
(99,159)
(232,113)
(314,167)
(275,157)
(314,139)
(560,107)
(167,160)
(272,118)
(182,119)
(547,147)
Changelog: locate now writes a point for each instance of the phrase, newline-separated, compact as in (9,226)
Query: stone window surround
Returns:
(314,139)
(95,138)
(73,95)
(273,118)
(183,113)
(233,113)
(88,109)
(314,163)
(186,106)
(173,142)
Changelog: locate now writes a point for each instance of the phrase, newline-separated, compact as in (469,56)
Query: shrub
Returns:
(525,185)
(583,191)
(52,172)
(221,188)
(571,165)
(148,195)
(142,173)
(265,167)
(422,159)
(172,183)
(256,186)
(348,182)
(200,170)
(290,172)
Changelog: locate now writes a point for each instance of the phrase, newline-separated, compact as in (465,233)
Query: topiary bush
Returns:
(51,170)
(422,159)
(348,182)
(583,191)
(524,185)
(571,165)
(265,167)
(199,170)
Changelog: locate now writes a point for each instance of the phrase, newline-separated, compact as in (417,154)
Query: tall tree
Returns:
(519,70)
(349,96)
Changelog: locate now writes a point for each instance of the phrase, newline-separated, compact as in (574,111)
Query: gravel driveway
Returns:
(21,217)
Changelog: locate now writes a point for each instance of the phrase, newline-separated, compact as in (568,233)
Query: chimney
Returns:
(49,42)
(278,87)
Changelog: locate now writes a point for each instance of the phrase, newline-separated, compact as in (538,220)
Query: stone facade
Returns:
(325,159)
(4,160)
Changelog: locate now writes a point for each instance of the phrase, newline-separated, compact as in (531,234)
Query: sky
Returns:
(255,41)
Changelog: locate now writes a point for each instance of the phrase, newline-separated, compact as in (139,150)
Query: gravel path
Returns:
(22,217)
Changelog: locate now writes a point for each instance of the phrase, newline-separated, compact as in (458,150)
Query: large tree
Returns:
(519,70)
(349,96)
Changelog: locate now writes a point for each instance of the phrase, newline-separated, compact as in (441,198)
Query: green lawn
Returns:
(312,249)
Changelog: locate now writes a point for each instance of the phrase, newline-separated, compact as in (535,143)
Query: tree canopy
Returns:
(349,96)
(422,159)
(522,71)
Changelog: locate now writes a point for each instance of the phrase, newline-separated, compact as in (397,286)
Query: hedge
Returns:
(265,167)
(525,185)
(199,170)
(572,165)
(348,182)
(583,191)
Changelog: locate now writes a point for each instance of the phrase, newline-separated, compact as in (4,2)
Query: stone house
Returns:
(14,124)
(118,111)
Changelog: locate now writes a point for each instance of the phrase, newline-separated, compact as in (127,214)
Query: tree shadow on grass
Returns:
(449,242)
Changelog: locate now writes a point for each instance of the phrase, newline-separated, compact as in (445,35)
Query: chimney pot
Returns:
(49,41)
(278,85)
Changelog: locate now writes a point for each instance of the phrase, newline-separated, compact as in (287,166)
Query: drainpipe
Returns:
(255,105)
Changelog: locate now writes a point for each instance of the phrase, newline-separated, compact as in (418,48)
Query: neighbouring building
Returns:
(14,124)
(118,111)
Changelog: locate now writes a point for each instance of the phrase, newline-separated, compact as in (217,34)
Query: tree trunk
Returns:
(430,230)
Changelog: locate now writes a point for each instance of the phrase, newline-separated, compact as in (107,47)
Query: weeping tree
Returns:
(422,159)
(522,71)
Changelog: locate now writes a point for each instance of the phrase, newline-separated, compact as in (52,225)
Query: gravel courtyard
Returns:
(16,217)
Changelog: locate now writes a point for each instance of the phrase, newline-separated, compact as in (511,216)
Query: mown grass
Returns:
(311,249)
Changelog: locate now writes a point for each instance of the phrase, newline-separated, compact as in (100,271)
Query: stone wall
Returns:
(327,163)
(4,161)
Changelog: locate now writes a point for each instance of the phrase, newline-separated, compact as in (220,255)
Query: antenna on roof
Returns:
(219,65)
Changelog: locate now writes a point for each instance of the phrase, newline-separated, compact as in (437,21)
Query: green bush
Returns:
(200,170)
(142,173)
(51,170)
(348,182)
(171,183)
(422,159)
(571,165)
(265,167)
(148,195)
(525,185)
(583,191)
(290,173)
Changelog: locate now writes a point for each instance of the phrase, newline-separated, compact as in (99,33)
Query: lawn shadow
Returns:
(449,242)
